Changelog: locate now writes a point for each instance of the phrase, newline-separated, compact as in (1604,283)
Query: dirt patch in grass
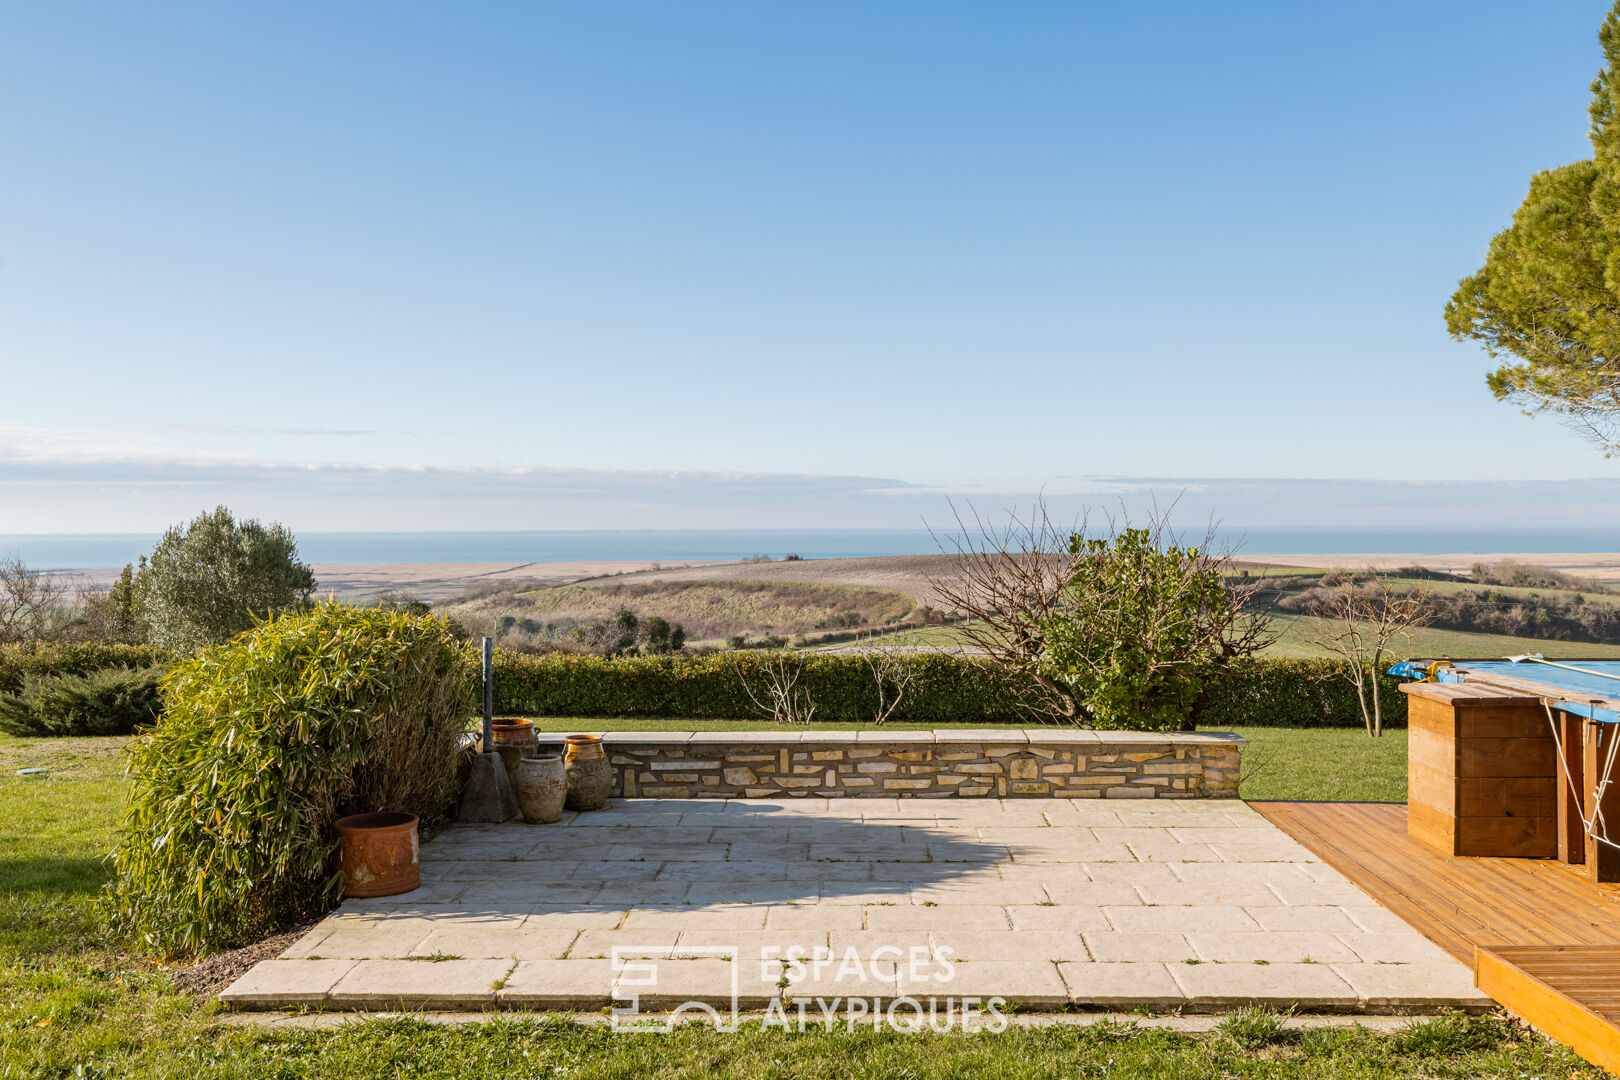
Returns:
(209,976)
(80,757)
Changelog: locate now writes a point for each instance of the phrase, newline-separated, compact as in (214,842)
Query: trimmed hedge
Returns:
(41,661)
(1261,692)
(1281,692)
(948,689)
(1296,692)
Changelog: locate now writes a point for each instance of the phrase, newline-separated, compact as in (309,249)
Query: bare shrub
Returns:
(1118,626)
(32,603)
(779,695)
(1365,620)
(893,676)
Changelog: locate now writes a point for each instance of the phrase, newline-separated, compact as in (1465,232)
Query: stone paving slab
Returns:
(1198,905)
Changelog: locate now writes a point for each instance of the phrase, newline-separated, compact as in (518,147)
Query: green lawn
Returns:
(74,1003)
(1333,764)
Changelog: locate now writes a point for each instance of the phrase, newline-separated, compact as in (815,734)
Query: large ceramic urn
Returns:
(590,773)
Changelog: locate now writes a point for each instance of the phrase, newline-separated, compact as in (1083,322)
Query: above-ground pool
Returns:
(1585,687)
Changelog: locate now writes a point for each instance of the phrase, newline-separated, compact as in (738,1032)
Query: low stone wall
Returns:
(991,762)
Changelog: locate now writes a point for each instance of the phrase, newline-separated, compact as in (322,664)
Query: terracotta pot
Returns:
(590,773)
(513,740)
(379,854)
(541,786)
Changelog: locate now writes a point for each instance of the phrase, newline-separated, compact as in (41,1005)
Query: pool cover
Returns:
(1570,683)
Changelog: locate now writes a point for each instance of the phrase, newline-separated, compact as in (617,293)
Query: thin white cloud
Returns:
(61,480)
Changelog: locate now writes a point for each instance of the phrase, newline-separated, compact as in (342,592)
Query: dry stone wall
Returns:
(1006,763)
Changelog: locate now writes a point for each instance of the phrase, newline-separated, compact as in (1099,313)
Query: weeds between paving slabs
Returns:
(75,1003)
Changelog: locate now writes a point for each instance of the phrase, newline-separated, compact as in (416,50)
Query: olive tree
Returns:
(216,577)
(1546,304)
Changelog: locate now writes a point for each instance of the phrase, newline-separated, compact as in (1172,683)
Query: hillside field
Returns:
(710,611)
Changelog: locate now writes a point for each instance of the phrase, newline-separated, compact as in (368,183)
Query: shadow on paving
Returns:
(701,854)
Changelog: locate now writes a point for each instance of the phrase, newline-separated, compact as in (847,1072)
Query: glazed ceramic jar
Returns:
(513,740)
(590,773)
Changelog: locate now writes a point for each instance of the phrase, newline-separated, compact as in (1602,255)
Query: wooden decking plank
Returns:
(1445,913)
(1459,903)
(1533,982)
(1474,879)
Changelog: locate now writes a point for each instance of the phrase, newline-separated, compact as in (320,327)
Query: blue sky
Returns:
(762,265)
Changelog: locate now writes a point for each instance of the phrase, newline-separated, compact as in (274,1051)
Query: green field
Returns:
(1298,634)
(709,611)
(74,1003)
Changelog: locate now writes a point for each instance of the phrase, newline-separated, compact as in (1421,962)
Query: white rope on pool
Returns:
(1590,825)
(1534,658)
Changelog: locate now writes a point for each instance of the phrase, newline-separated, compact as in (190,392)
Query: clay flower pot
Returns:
(590,773)
(513,740)
(541,786)
(379,854)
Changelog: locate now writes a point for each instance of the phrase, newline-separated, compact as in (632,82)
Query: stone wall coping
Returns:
(976,736)
(878,735)
(643,738)
(775,736)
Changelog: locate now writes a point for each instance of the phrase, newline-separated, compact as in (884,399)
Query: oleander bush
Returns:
(262,743)
(111,701)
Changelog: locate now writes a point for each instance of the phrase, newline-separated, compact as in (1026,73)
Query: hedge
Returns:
(949,689)
(42,661)
(1290,691)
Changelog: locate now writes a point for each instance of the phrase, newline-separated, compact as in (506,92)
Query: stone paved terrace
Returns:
(1004,762)
(1199,905)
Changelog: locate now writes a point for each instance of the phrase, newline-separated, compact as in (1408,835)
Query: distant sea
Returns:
(85,551)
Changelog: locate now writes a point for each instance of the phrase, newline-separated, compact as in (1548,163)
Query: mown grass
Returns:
(75,1003)
(1332,764)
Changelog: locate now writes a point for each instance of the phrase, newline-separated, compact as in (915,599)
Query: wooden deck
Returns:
(1543,940)
(1457,903)
(1571,992)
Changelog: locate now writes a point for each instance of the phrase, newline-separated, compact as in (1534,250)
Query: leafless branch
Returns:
(1365,620)
(780,697)
(31,602)
(893,674)
(1010,581)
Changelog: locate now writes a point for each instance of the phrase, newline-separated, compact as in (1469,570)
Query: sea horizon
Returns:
(94,551)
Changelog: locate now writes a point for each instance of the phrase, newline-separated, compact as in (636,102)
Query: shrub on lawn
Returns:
(18,661)
(263,742)
(112,701)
